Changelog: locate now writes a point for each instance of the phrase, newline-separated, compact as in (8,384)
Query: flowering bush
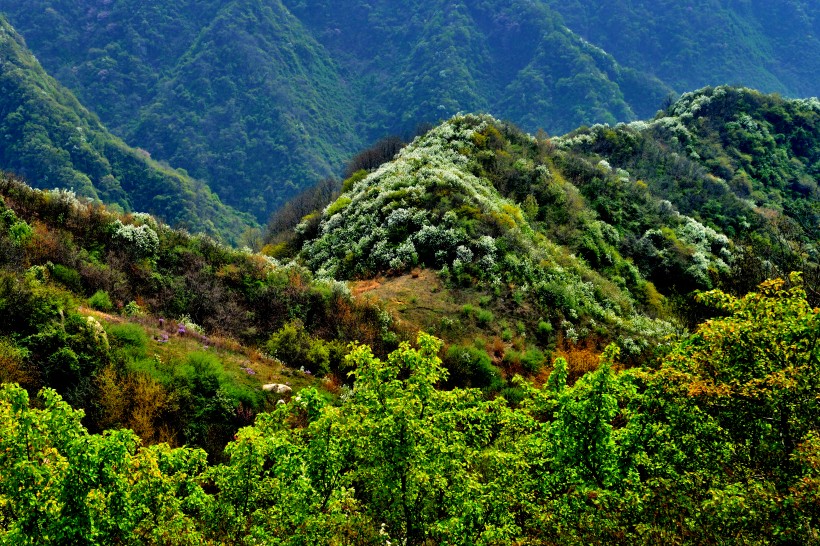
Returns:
(140,241)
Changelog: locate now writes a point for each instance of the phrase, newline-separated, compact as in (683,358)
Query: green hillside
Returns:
(769,45)
(263,98)
(53,141)
(607,370)
(741,162)
(169,334)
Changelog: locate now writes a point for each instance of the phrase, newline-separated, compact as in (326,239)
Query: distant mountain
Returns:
(424,61)
(771,45)
(53,141)
(236,93)
(262,98)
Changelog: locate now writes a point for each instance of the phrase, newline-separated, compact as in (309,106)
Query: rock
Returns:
(277,388)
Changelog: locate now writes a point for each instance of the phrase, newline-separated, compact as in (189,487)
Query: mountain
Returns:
(424,61)
(263,98)
(741,162)
(236,93)
(773,46)
(53,141)
(573,242)
(590,385)
(717,421)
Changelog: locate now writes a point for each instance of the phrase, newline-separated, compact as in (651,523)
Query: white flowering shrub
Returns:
(141,241)
(425,206)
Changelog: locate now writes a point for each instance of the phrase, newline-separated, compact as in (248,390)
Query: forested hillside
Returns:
(165,333)
(53,141)
(769,45)
(717,444)
(263,98)
(567,244)
(615,361)
(744,163)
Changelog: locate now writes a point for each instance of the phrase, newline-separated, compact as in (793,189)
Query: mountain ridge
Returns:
(54,141)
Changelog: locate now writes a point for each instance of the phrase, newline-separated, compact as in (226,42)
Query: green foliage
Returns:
(533,360)
(20,233)
(70,278)
(484,317)
(717,445)
(100,301)
(544,330)
(129,337)
(471,366)
(61,485)
(645,34)
(294,346)
(731,166)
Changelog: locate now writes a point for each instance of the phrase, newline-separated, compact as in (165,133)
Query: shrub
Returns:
(21,233)
(296,348)
(132,309)
(544,330)
(513,395)
(140,241)
(532,360)
(472,367)
(131,338)
(484,317)
(100,301)
(67,276)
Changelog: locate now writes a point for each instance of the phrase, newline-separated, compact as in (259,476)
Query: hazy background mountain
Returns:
(52,140)
(262,98)
(773,46)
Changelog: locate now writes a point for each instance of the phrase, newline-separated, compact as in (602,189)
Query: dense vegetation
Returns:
(50,139)
(743,163)
(154,329)
(717,444)
(600,374)
(768,45)
(525,248)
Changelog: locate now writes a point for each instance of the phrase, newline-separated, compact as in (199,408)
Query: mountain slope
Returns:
(256,107)
(263,98)
(53,141)
(561,245)
(769,45)
(740,161)
(424,61)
